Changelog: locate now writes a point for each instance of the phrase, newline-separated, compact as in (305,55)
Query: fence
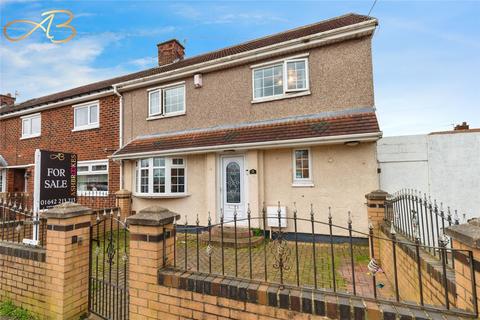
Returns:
(17,222)
(233,248)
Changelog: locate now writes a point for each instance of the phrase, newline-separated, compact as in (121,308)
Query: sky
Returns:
(426,54)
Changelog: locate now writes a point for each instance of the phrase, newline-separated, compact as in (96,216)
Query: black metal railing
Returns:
(416,216)
(345,264)
(17,222)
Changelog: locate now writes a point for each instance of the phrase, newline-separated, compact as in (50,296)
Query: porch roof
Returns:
(355,126)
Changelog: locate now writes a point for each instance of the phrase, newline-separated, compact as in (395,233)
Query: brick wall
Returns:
(407,271)
(23,277)
(57,135)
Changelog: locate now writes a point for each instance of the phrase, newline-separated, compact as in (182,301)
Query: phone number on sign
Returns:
(53,202)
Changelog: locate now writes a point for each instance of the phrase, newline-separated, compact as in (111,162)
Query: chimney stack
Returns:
(463,126)
(169,52)
(6,100)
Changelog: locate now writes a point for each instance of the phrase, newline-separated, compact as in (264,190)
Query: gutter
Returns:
(362,137)
(303,43)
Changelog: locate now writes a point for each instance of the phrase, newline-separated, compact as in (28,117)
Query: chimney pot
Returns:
(6,100)
(463,126)
(170,51)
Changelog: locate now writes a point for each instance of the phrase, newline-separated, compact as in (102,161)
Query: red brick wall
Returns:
(57,135)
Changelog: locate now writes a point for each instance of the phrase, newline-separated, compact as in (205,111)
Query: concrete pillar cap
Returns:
(153,216)
(377,195)
(467,233)
(67,210)
(123,192)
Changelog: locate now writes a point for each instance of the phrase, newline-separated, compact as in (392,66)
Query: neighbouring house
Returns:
(443,165)
(286,118)
(83,120)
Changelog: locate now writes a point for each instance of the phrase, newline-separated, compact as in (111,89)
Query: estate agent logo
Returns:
(45,25)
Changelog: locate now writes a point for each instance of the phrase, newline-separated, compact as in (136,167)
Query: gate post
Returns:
(67,260)
(124,202)
(376,212)
(151,248)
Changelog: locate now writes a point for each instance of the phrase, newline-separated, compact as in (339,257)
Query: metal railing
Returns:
(230,248)
(416,216)
(17,222)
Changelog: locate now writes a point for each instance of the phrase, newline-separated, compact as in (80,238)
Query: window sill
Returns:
(162,196)
(165,116)
(30,137)
(85,128)
(303,184)
(281,97)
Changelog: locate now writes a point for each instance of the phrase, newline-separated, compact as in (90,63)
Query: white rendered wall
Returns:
(446,166)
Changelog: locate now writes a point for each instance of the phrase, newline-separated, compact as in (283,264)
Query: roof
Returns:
(322,26)
(296,129)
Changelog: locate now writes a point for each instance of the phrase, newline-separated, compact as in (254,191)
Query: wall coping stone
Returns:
(67,210)
(22,251)
(467,233)
(153,216)
(377,195)
(123,193)
(313,301)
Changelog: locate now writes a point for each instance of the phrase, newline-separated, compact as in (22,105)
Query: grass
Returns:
(8,309)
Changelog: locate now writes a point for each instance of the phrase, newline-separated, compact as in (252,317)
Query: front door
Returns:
(233,187)
(19,180)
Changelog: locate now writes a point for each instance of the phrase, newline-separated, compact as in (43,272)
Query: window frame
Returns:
(3,180)
(90,164)
(89,125)
(302,182)
(286,92)
(161,90)
(29,119)
(168,173)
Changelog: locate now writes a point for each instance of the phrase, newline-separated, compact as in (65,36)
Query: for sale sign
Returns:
(56,179)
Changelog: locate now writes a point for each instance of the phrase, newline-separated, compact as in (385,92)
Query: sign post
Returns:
(55,183)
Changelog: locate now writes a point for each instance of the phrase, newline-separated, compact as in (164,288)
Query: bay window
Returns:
(92,177)
(280,78)
(160,176)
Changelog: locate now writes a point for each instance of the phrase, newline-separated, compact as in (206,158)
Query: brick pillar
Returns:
(466,237)
(67,260)
(124,202)
(376,212)
(150,234)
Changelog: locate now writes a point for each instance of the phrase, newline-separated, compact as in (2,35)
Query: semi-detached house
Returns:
(287,118)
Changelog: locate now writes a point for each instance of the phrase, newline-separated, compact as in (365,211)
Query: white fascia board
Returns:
(363,137)
(363,28)
(72,101)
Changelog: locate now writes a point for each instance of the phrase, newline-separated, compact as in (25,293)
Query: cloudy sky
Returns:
(426,53)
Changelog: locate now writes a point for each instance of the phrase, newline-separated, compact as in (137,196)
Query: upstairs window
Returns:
(86,116)
(280,78)
(160,176)
(168,101)
(31,126)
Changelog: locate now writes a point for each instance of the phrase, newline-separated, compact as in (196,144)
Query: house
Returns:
(83,120)
(286,118)
(442,165)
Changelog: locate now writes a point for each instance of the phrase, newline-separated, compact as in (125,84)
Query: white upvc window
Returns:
(86,116)
(302,167)
(92,178)
(3,180)
(161,176)
(31,126)
(166,101)
(280,78)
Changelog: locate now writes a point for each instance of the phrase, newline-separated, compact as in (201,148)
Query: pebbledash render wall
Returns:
(342,175)
(57,135)
(340,76)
